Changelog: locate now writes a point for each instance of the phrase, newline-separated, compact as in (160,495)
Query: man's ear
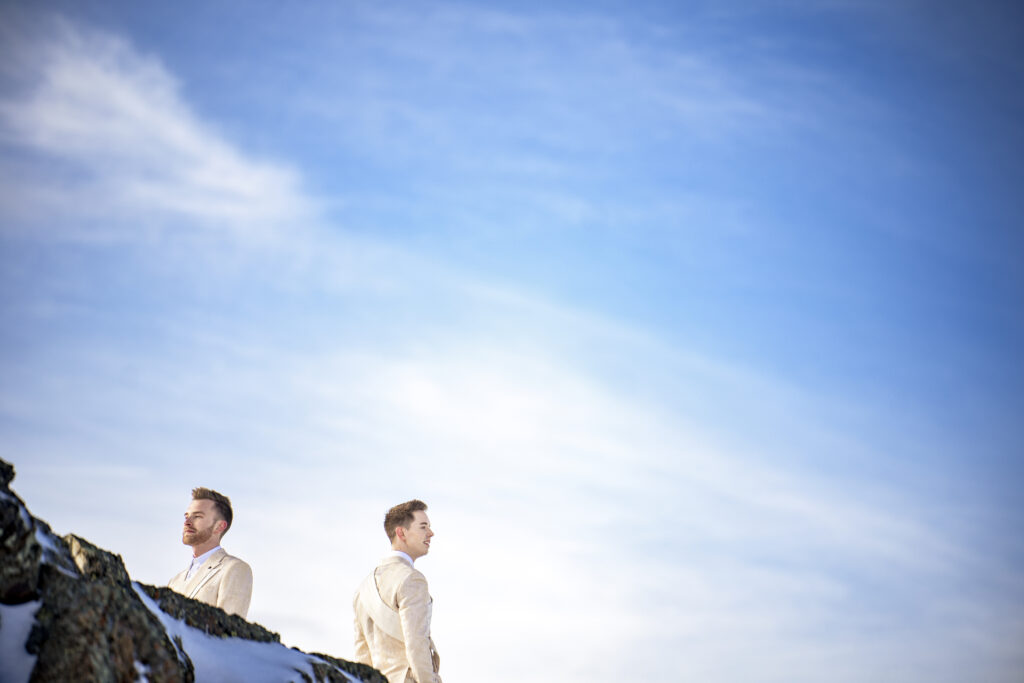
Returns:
(400,533)
(221,527)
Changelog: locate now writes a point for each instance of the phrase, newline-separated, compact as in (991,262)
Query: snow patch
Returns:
(234,660)
(15,624)
(55,555)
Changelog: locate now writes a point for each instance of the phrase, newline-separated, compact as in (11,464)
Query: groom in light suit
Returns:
(213,576)
(393,605)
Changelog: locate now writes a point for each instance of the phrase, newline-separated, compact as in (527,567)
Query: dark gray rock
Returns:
(20,550)
(209,620)
(96,630)
(328,671)
(96,563)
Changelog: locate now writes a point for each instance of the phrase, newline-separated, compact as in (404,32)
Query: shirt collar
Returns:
(399,553)
(196,561)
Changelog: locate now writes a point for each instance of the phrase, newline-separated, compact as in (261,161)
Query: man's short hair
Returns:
(221,503)
(401,516)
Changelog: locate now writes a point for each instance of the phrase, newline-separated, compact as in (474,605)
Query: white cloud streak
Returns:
(126,146)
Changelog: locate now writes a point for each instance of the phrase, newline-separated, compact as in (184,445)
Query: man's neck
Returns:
(198,550)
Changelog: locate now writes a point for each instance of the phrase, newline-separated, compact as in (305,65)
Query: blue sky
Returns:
(696,325)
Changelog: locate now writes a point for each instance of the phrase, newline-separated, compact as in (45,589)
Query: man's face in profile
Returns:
(417,536)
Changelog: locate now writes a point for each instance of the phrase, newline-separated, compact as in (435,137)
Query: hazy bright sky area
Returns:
(698,325)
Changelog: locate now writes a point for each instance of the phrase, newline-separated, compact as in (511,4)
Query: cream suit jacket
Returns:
(414,660)
(223,581)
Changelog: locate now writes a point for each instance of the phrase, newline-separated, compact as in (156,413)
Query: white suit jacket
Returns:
(223,581)
(413,658)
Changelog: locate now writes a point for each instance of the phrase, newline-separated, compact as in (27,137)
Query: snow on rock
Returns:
(16,621)
(235,660)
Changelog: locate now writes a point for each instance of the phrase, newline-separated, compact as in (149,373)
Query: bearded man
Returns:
(213,576)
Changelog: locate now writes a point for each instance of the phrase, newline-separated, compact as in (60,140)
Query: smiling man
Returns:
(213,576)
(393,605)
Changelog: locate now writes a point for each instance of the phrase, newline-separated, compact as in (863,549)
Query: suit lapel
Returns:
(205,573)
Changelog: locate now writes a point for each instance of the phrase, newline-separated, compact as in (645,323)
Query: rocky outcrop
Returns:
(92,623)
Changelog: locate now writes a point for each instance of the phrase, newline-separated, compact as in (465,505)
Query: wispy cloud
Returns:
(122,144)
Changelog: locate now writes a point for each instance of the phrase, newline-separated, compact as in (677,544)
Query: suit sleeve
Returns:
(235,590)
(414,611)
(362,654)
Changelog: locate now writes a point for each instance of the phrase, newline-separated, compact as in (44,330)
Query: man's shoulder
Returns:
(395,570)
(178,580)
(408,576)
(230,561)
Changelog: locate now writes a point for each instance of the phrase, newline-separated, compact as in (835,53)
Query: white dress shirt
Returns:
(197,562)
